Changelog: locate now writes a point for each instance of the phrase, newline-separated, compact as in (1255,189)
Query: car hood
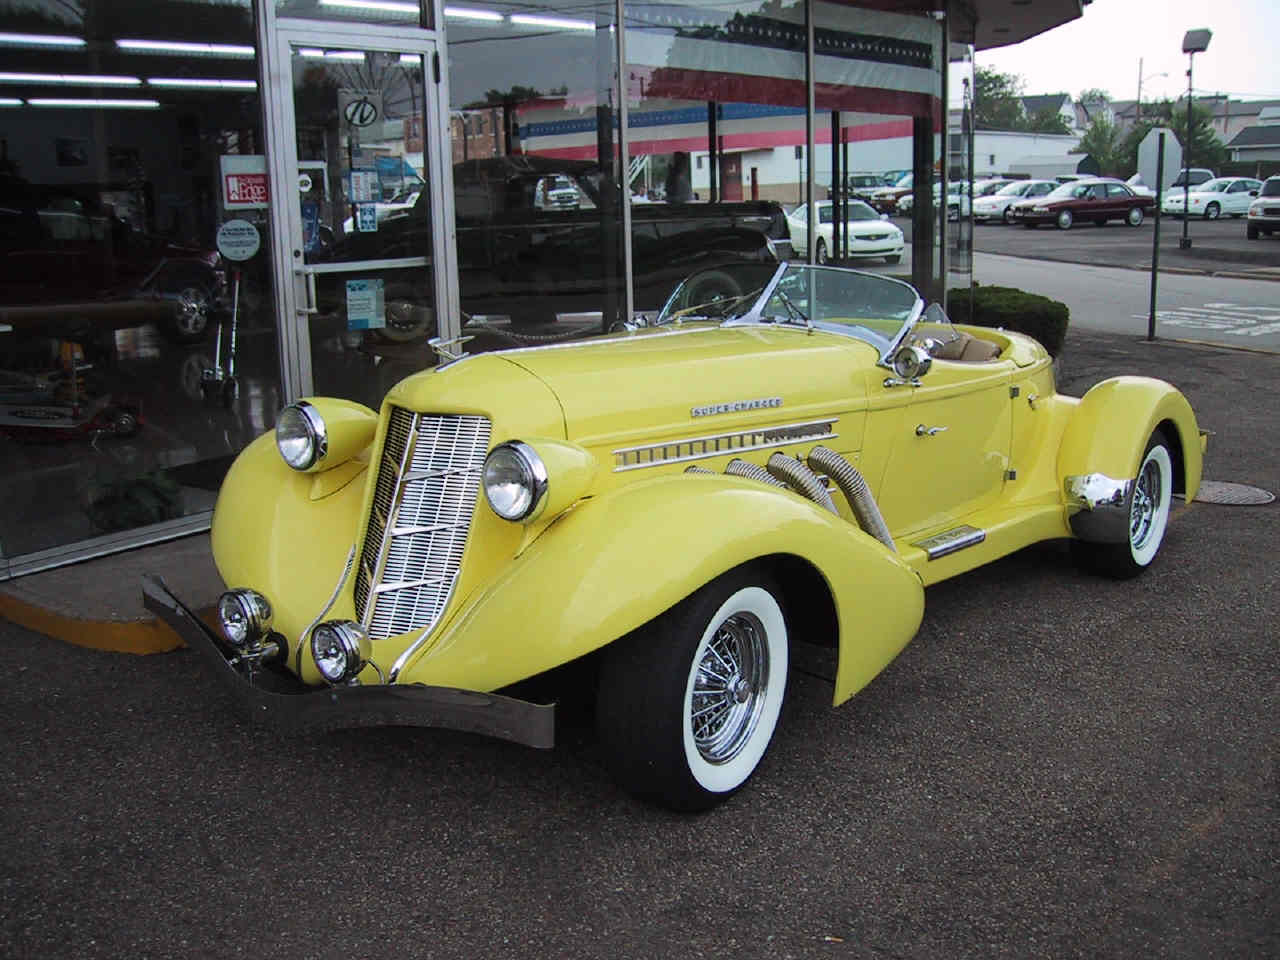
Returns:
(698,380)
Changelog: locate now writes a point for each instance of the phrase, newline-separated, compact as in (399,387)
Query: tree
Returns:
(1102,142)
(1206,149)
(997,103)
(1047,120)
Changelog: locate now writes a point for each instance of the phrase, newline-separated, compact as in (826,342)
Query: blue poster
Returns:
(366,305)
(310,226)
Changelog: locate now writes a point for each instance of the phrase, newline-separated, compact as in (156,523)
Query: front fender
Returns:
(1109,429)
(285,533)
(613,563)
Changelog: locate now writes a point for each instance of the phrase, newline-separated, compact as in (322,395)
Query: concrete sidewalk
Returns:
(98,603)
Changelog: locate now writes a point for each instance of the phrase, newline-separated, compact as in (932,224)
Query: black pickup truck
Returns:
(520,257)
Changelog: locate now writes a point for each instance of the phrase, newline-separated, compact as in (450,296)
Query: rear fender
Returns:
(1109,429)
(613,563)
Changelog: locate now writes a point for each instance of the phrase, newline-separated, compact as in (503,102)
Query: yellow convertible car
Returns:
(676,505)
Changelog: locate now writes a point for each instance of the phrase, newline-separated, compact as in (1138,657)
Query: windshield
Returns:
(869,307)
(1270,189)
(857,211)
(1070,189)
(905,180)
(1014,189)
(1214,186)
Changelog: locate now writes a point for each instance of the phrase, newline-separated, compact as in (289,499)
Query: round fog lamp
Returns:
(515,480)
(301,436)
(340,649)
(245,616)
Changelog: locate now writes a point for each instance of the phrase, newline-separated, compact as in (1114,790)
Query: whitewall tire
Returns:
(687,705)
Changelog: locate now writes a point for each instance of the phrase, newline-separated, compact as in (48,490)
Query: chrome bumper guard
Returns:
(1102,507)
(275,698)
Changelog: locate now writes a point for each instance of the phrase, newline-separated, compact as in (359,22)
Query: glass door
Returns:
(365,268)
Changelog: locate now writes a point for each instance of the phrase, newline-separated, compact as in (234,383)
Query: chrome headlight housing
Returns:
(301,435)
(340,649)
(515,480)
(912,362)
(245,616)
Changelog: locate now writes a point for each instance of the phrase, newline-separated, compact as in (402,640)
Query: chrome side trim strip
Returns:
(720,444)
(951,541)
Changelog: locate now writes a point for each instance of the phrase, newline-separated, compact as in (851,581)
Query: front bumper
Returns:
(1101,506)
(277,699)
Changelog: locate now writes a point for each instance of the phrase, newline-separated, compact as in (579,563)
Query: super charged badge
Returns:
(764,403)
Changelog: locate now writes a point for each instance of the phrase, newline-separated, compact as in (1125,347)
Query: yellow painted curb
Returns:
(117,636)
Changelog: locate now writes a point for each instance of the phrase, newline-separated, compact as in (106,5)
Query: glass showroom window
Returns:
(112,288)
(717,99)
(535,169)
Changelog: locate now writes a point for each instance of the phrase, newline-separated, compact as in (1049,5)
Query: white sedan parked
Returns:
(870,233)
(1223,196)
(995,206)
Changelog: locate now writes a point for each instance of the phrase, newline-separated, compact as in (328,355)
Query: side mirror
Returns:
(885,216)
(1253,193)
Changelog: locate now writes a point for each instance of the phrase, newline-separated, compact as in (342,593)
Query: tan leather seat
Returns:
(965,348)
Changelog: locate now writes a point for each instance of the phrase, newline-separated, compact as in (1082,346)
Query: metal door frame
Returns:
(275,37)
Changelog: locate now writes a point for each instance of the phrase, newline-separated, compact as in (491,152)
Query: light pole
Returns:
(1193,42)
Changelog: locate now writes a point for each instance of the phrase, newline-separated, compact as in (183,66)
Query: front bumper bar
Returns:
(291,707)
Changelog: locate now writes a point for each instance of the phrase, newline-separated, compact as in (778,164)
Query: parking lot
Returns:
(1216,245)
(1057,766)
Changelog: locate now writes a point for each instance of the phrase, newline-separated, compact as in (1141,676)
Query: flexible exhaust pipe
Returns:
(801,479)
(854,487)
(752,471)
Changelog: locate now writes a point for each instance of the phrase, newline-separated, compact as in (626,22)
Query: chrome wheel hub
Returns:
(729,682)
(1147,495)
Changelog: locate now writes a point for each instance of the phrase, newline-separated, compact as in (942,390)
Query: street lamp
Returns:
(1193,42)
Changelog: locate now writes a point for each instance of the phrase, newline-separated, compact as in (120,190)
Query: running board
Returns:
(949,541)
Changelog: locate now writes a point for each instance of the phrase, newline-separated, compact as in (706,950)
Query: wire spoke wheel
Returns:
(728,685)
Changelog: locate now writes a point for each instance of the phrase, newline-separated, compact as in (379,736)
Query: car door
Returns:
(1119,200)
(1236,200)
(950,448)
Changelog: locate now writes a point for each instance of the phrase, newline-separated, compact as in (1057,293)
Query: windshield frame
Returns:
(886,347)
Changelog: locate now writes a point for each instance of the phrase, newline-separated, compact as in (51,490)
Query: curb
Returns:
(140,637)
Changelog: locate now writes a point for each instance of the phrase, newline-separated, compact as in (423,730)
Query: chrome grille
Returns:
(428,481)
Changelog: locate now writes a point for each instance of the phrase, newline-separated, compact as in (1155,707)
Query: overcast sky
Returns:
(1102,49)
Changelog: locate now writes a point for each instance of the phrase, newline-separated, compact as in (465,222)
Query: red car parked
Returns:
(1097,200)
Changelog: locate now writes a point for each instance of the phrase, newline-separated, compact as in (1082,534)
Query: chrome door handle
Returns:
(310,303)
(923,431)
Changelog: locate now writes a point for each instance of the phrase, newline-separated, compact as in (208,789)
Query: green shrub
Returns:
(1012,309)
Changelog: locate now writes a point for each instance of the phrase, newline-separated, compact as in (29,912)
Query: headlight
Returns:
(340,649)
(1255,210)
(301,436)
(515,480)
(245,616)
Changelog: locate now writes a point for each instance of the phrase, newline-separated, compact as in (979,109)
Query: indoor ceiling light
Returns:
(386,6)
(311,53)
(10,102)
(86,79)
(466,13)
(181,46)
(87,102)
(40,40)
(210,84)
(559,23)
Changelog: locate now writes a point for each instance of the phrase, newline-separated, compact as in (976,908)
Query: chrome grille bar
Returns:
(424,498)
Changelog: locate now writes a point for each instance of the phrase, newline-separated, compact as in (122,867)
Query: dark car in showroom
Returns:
(1091,200)
(73,265)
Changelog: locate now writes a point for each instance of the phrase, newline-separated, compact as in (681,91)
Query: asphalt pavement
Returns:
(1057,766)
